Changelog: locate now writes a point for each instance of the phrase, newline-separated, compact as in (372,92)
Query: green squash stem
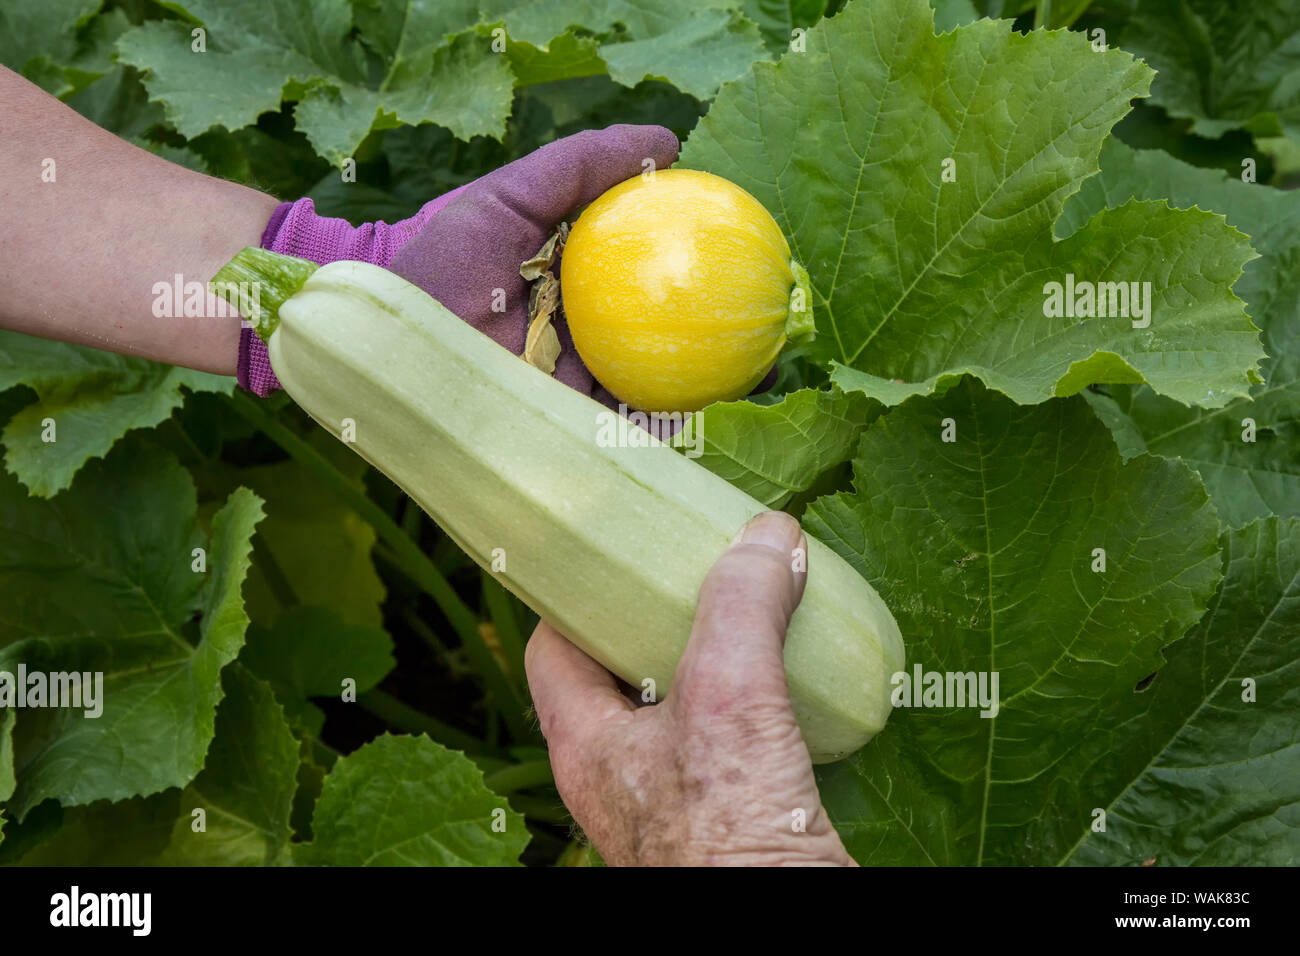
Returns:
(799,325)
(258,282)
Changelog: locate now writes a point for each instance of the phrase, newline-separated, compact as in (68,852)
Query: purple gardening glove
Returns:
(464,245)
(476,244)
(296,230)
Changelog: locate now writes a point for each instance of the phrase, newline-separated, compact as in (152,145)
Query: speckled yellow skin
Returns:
(677,290)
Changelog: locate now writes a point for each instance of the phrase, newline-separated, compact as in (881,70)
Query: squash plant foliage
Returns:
(1099,505)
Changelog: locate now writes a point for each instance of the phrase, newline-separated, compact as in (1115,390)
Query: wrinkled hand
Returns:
(717,772)
(474,244)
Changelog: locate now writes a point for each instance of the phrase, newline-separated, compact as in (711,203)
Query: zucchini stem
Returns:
(799,324)
(257,283)
(496,600)
(520,776)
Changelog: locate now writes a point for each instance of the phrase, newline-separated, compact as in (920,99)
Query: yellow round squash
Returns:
(680,291)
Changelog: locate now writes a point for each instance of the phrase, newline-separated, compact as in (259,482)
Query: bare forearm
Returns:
(89,224)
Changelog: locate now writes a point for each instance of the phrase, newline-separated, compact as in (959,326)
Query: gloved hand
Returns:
(466,244)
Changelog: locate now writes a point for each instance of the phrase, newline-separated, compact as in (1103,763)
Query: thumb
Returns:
(735,650)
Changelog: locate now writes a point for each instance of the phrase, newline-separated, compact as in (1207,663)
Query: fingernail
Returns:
(775,529)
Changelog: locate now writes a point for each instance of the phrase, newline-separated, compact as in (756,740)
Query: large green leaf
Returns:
(1222,65)
(953,13)
(119,102)
(407,801)
(436,68)
(701,51)
(312,549)
(122,833)
(101,579)
(985,549)
(1246,479)
(247,786)
(919,279)
(93,398)
(563,58)
(310,651)
(413,62)
(777,19)
(694,44)
(246,789)
(39,40)
(774,451)
(1203,767)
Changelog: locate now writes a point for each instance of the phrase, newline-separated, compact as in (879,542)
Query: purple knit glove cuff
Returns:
(296,230)
(254,370)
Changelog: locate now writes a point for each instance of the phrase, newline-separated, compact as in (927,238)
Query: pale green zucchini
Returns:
(609,544)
